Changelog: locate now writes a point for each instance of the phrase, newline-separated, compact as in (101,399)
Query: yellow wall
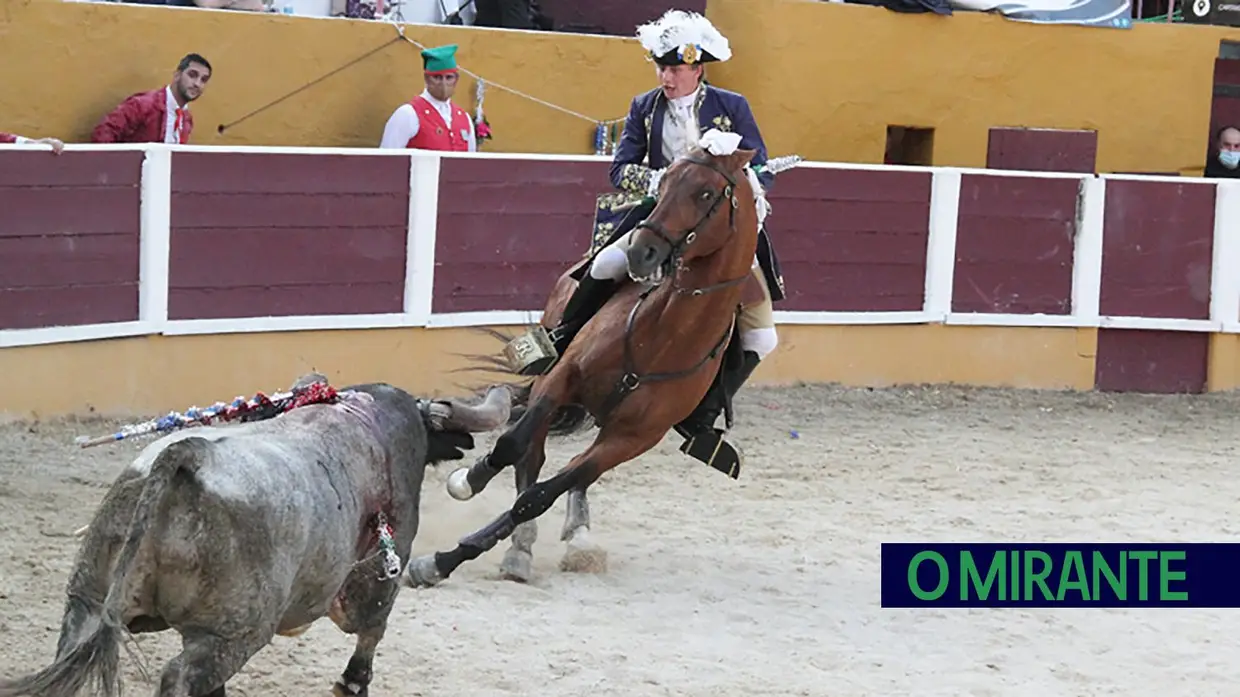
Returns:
(63,65)
(825,79)
(151,375)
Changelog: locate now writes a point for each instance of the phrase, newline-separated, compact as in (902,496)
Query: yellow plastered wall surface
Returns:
(66,64)
(825,80)
(151,375)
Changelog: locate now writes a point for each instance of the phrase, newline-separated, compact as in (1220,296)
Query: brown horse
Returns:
(638,367)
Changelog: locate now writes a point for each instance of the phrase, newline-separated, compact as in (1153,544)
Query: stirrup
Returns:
(711,448)
(532,352)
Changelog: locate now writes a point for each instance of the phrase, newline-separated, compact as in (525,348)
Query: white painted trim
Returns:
(1231,328)
(868,167)
(1159,178)
(1087,250)
(855,318)
(485,318)
(156,236)
(11,338)
(985,319)
(302,323)
(420,244)
(1159,324)
(1225,266)
(941,242)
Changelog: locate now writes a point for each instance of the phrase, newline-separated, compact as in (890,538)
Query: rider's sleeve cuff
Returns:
(635,178)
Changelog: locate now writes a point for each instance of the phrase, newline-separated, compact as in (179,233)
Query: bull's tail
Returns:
(95,657)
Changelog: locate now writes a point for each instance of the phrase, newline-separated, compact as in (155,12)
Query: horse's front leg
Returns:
(509,449)
(609,449)
(518,564)
(582,553)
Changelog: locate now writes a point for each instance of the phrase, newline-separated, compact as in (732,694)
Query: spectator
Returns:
(423,123)
(57,145)
(161,115)
(1226,162)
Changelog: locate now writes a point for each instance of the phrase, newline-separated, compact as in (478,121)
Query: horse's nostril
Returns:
(651,253)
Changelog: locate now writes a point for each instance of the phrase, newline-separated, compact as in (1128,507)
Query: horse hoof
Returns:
(517,566)
(342,690)
(458,485)
(422,572)
(583,555)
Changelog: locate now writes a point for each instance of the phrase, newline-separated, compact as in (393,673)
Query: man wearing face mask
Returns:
(431,121)
(663,125)
(1226,162)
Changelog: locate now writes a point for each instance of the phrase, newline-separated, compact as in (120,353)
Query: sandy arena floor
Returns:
(766,586)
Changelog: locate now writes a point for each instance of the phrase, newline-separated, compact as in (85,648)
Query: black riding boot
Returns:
(589,297)
(702,440)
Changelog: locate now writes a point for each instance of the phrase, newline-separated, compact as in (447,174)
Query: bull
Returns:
(232,535)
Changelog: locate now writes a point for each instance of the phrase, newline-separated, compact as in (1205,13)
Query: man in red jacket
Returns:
(57,145)
(161,115)
(431,121)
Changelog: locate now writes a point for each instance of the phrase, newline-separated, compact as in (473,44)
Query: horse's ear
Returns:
(739,159)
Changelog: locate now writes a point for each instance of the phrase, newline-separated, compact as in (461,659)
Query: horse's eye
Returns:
(705,195)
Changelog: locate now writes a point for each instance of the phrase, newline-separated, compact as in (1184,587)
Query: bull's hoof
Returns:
(583,555)
(518,565)
(458,485)
(422,572)
(342,690)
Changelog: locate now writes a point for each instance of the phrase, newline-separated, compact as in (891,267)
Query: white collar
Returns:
(686,101)
(172,100)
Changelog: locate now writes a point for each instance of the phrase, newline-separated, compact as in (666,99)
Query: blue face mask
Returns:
(1229,158)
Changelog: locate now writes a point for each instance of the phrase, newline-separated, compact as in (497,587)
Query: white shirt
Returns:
(680,126)
(403,124)
(170,116)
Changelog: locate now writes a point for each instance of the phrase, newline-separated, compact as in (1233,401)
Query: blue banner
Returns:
(1029,575)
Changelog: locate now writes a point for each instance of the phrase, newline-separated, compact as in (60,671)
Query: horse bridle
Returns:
(630,379)
(677,247)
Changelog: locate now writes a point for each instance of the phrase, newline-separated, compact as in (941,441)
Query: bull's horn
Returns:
(487,416)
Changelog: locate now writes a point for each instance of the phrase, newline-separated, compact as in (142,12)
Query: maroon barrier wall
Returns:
(851,240)
(258,235)
(507,229)
(1157,253)
(69,238)
(1014,245)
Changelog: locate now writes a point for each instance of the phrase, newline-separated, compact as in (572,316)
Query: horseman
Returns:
(662,126)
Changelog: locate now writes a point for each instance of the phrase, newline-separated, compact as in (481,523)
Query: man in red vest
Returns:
(431,121)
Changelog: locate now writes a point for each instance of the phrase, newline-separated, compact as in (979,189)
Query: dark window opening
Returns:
(909,145)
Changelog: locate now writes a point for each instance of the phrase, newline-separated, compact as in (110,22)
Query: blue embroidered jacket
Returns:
(640,152)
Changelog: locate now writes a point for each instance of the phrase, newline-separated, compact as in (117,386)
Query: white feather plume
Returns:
(677,29)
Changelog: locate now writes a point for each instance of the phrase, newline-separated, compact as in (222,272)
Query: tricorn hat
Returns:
(683,38)
(439,60)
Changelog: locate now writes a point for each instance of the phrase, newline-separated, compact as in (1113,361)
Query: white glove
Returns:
(652,189)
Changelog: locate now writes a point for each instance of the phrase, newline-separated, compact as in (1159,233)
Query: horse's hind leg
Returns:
(207,662)
(519,559)
(582,553)
(511,447)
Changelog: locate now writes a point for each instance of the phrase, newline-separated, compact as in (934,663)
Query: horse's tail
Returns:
(566,420)
(96,655)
